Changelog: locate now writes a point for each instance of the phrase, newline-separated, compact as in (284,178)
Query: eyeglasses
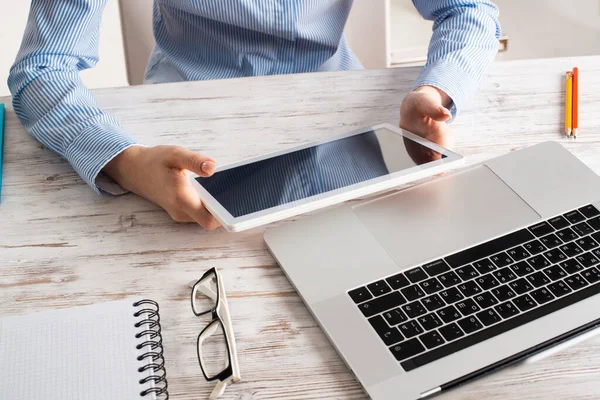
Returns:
(217,354)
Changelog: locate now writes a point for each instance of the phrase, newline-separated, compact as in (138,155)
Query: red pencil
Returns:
(575,102)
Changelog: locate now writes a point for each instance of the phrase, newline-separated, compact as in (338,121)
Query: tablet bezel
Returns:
(371,186)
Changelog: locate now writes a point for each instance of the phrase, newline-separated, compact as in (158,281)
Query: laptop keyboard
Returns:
(431,311)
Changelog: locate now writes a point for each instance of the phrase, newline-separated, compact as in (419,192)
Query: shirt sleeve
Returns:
(60,40)
(463,45)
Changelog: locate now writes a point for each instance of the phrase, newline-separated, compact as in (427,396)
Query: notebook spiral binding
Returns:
(150,323)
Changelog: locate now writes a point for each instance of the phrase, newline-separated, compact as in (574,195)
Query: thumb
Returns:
(195,162)
(434,110)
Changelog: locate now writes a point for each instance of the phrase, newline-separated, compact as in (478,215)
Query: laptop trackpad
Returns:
(443,216)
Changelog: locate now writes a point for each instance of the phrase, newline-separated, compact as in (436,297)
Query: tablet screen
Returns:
(269,183)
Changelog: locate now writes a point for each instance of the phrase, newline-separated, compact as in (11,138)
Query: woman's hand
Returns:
(424,113)
(159,174)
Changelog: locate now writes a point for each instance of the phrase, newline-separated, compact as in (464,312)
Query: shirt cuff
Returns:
(92,149)
(450,78)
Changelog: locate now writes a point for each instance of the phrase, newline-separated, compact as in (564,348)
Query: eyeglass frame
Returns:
(219,314)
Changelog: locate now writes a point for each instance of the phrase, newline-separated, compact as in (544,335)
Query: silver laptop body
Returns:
(332,253)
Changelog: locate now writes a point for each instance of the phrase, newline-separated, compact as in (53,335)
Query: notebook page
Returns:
(82,353)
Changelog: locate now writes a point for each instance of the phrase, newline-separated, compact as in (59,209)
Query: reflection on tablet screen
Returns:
(315,170)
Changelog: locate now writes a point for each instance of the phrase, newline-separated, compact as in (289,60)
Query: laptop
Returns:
(423,289)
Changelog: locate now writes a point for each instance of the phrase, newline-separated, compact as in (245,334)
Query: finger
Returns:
(180,216)
(433,110)
(190,203)
(195,162)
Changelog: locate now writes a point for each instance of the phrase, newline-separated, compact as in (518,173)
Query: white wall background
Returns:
(110,71)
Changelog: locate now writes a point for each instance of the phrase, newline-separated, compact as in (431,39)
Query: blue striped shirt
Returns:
(209,39)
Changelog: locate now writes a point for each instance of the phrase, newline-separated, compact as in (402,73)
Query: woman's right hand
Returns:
(159,174)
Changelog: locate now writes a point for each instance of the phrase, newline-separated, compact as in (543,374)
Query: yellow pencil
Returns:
(569,103)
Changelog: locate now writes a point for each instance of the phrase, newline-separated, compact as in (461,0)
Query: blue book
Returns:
(1,144)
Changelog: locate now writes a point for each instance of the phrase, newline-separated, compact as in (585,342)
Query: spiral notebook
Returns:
(109,350)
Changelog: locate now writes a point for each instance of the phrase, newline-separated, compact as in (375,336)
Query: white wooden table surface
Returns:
(62,245)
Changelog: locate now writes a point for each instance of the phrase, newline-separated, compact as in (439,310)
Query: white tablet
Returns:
(280,185)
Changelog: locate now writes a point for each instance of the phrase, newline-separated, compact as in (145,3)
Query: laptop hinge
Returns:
(431,392)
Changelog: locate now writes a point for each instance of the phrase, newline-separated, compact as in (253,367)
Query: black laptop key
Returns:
(587,243)
(499,328)
(541,229)
(524,302)
(595,223)
(505,275)
(410,329)
(559,222)
(436,267)
(451,332)
(538,279)
(538,262)
(591,275)
(488,248)
(380,304)
(414,309)
(589,211)
(551,241)
(488,317)
(430,321)
(501,259)
(534,247)
(559,288)
(522,268)
(470,324)
(576,282)
(542,295)
(379,288)
(518,253)
(555,272)
(596,236)
(571,266)
(506,310)
(407,349)
(451,295)
(484,266)
(449,279)
(520,286)
(433,302)
(431,285)
(485,300)
(432,339)
(555,256)
(583,229)
(467,307)
(503,293)
(487,281)
(388,334)
(395,316)
(449,314)
(571,249)
(413,292)
(469,288)
(574,216)
(359,295)
(416,275)
(398,281)
(567,234)
(587,259)
(467,272)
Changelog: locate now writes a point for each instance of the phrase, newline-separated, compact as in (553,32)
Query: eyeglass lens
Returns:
(212,350)
(205,295)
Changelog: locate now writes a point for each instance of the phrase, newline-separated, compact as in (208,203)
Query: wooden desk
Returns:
(61,245)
